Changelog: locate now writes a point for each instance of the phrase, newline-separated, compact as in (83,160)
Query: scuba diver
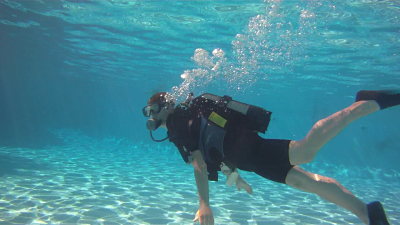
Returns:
(216,133)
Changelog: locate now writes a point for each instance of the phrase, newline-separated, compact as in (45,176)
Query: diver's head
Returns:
(158,108)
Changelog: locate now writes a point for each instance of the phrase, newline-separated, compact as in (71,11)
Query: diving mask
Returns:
(152,109)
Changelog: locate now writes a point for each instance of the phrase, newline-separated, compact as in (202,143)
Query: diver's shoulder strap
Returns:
(179,141)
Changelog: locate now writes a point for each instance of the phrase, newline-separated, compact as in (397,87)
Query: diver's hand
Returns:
(205,215)
(240,183)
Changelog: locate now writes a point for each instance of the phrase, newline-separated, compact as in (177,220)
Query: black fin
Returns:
(385,99)
(376,214)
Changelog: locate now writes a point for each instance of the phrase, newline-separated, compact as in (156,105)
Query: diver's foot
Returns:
(385,98)
(376,214)
(240,183)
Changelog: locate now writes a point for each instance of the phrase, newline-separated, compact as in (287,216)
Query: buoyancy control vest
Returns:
(219,115)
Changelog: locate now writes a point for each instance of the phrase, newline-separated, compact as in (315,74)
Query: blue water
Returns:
(74,76)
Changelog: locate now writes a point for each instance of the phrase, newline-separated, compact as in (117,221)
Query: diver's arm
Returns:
(201,175)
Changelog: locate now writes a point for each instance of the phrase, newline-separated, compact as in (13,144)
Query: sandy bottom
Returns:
(107,185)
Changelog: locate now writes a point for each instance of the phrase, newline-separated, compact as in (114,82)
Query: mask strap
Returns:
(151,135)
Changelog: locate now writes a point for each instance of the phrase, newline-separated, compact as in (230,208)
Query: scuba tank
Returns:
(227,113)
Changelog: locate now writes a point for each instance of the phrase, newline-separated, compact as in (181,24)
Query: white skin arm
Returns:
(201,175)
(204,214)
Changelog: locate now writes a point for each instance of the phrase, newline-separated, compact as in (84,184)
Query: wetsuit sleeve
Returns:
(185,138)
(191,144)
(194,130)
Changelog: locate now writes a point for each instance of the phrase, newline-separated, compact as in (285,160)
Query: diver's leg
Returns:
(328,189)
(367,102)
(304,151)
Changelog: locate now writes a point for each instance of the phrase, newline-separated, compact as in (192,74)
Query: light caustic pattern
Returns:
(269,44)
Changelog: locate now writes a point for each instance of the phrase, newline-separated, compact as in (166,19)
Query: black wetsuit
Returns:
(245,149)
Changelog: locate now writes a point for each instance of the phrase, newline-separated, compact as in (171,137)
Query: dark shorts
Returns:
(268,158)
(272,160)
